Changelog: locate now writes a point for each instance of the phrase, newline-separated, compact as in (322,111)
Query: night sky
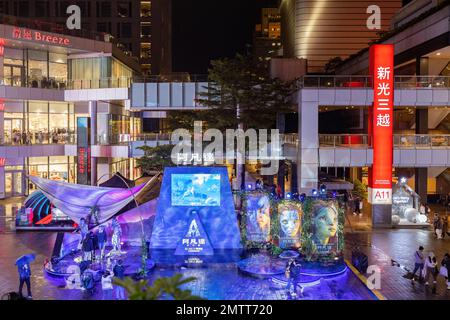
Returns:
(203,30)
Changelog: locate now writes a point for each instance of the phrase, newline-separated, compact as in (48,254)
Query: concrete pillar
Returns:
(421,174)
(420,182)
(2,183)
(2,125)
(308,146)
(422,121)
(381,215)
(294,185)
(422,66)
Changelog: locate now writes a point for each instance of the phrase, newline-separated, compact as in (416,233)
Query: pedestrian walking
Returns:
(88,247)
(444,226)
(445,267)
(419,262)
(24,277)
(357,204)
(279,193)
(439,227)
(107,286)
(119,273)
(102,239)
(292,273)
(435,222)
(431,269)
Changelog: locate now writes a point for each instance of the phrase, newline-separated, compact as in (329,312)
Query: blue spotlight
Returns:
(288,195)
(314,192)
(249,186)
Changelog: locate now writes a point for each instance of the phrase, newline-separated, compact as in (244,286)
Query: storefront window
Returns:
(50,123)
(13,128)
(57,69)
(37,68)
(120,128)
(13,70)
(38,122)
(122,166)
(59,168)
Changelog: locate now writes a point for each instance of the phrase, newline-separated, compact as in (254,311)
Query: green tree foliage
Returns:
(308,248)
(185,119)
(155,158)
(238,83)
(165,287)
(359,189)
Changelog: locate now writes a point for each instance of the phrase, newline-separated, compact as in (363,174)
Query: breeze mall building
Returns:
(50,81)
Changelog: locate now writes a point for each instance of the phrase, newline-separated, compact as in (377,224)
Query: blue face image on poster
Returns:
(258,217)
(325,225)
(290,217)
(195,190)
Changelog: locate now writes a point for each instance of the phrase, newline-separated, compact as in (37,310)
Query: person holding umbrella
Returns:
(24,270)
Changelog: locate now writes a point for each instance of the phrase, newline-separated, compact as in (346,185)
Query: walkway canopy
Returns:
(79,201)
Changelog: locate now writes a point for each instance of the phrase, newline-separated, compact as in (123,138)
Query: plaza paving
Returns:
(382,246)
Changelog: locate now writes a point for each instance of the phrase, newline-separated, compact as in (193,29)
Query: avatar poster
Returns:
(258,216)
(290,218)
(325,225)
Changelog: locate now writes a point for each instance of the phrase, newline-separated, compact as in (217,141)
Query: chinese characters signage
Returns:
(83,151)
(382,69)
(33,35)
(195,241)
(195,158)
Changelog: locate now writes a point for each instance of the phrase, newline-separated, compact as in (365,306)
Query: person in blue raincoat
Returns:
(24,277)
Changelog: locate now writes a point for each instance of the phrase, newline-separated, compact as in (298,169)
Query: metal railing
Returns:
(102,83)
(38,138)
(63,84)
(400,141)
(114,139)
(400,82)
(180,77)
(152,137)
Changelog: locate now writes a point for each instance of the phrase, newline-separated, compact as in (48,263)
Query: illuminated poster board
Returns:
(83,151)
(258,209)
(195,240)
(174,215)
(290,218)
(324,226)
(195,190)
(381,123)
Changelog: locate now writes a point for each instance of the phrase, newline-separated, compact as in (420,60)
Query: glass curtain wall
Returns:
(113,128)
(34,68)
(101,72)
(87,73)
(50,123)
